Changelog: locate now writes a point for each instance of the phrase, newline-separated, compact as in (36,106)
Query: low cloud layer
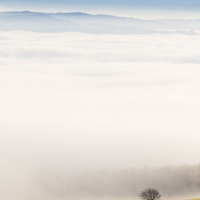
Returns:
(105,92)
(71,102)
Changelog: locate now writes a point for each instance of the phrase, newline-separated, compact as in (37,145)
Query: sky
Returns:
(131,8)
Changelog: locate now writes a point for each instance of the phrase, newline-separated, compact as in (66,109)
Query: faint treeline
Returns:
(170,181)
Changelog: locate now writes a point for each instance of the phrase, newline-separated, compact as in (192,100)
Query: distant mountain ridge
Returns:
(92,23)
(55,13)
(67,14)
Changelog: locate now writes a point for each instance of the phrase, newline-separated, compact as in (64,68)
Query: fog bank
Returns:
(73,102)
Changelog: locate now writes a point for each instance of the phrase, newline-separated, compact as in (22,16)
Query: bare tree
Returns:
(150,194)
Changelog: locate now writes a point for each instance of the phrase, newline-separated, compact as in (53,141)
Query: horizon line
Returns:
(93,14)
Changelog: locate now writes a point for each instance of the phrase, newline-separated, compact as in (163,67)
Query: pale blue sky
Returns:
(172,4)
(105,6)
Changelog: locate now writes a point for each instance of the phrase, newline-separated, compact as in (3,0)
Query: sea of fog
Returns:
(73,102)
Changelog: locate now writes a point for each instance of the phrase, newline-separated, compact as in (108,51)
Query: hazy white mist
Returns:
(100,100)
(72,102)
